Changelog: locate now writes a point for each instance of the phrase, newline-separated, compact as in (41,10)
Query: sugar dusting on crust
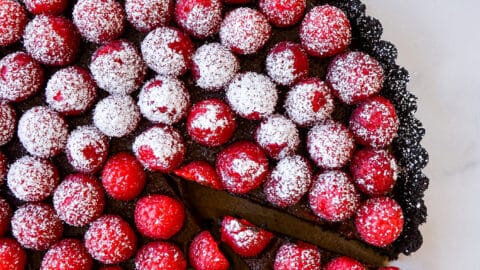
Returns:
(116,116)
(278,135)
(295,256)
(67,254)
(146,15)
(199,18)
(7,123)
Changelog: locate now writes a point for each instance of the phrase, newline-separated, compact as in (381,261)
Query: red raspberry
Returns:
(13,19)
(12,255)
(379,221)
(51,40)
(309,102)
(116,115)
(67,254)
(20,76)
(3,167)
(204,253)
(52,7)
(286,63)
(330,144)
(211,122)
(148,15)
(32,179)
(300,256)
(354,76)
(164,99)
(86,149)
(333,196)
(42,131)
(243,237)
(283,13)
(79,199)
(201,172)
(110,240)
(199,18)
(99,21)
(71,91)
(278,136)
(6,213)
(244,30)
(160,256)
(123,177)
(374,122)
(344,263)
(7,123)
(242,167)
(374,171)
(159,216)
(36,226)
(168,51)
(325,31)
(159,148)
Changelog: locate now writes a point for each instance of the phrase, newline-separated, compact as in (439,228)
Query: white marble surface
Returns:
(438,42)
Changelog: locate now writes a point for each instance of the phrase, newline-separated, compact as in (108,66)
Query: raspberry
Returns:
(199,18)
(67,254)
(159,148)
(118,67)
(283,13)
(278,136)
(243,237)
(211,122)
(244,30)
(164,100)
(20,76)
(36,226)
(79,199)
(5,216)
(168,51)
(204,253)
(123,176)
(51,40)
(325,31)
(291,256)
(99,21)
(354,76)
(71,91)
(201,172)
(333,196)
(12,255)
(13,19)
(374,122)
(286,63)
(242,167)
(32,179)
(3,167)
(86,149)
(52,7)
(116,115)
(344,263)
(159,216)
(7,123)
(379,221)
(148,15)
(160,256)
(330,144)
(110,240)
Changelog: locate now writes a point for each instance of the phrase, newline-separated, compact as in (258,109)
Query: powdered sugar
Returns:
(199,18)
(146,15)
(13,19)
(116,116)
(278,136)
(7,123)
(86,149)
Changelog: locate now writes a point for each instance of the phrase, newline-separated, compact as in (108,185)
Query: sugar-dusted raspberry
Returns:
(168,51)
(160,148)
(51,40)
(116,115)
(278,136)
(252,95)
(286,63)
(87,149)
(32,179)
(379,221)
(123,176)
(243,237)
(199,18)
(164,100)
(3,167)
(204,253)
(79,199)
(110,240)
(325,31)
(160,256)
(211,122)
(373,171)
(242,167)
(52,7)
(67,254)
(99,21)
(12,255)
(118,67)
(6,213)
(333,196)
(13,19)
(344,263)
(148,15)
(214,66)
(309,102)
(283,13)
(330,144)
(20,76)
(293,256)
(354,76)
(8,123)
(71,91)
(36,226)
(200,172)
(245,30)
